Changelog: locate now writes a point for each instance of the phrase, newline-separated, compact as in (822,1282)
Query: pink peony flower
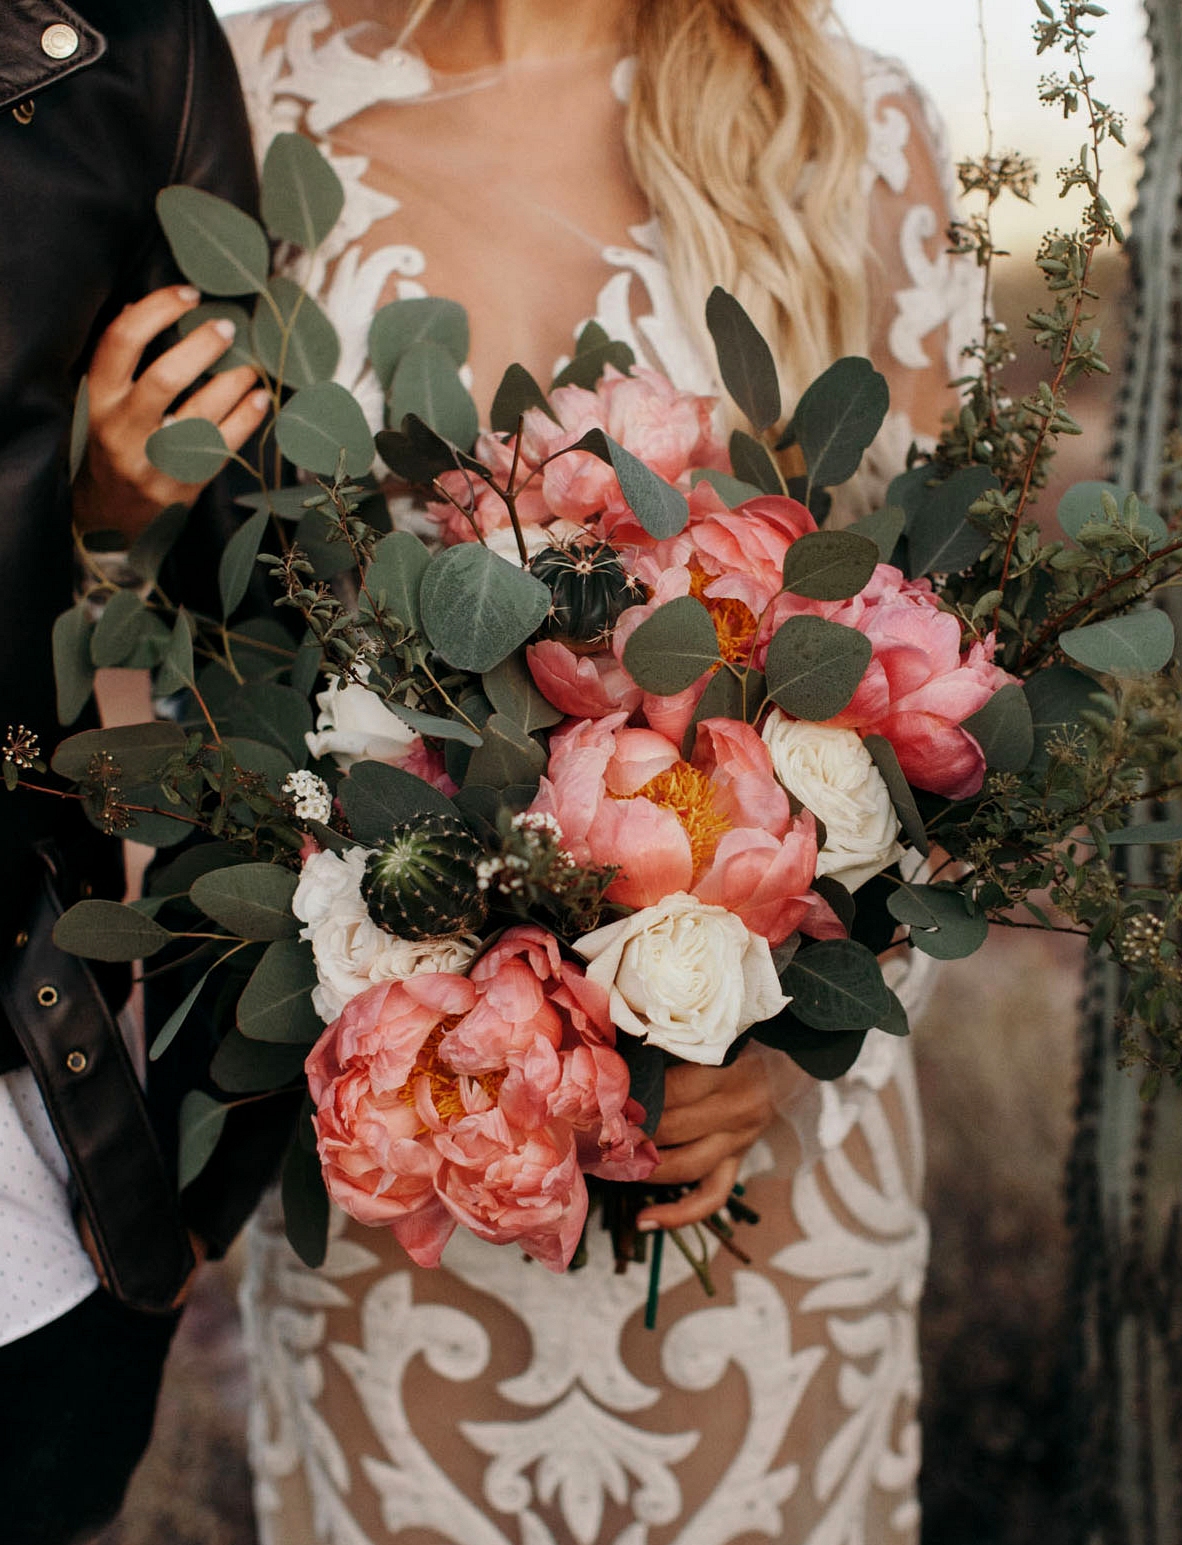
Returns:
(718,827)
(479,1100)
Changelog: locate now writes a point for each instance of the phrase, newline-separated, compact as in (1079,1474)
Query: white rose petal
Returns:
(832,774)
(351,951)
(354,725)
(684,976)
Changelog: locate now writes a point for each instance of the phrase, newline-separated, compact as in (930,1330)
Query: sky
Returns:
(939,42)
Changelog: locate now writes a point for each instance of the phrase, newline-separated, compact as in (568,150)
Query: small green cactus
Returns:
(422,882)
(590,588)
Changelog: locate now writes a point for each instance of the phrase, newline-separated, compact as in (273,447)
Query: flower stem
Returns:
(654,1281)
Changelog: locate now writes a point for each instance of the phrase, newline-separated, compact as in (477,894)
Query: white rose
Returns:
(351,951)
(503,542)
(832,774)
(354,725)
(684,976)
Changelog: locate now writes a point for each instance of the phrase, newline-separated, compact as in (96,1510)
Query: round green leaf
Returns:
(119,629)
(375,798)
(276,1004)
(1004,729)
(673,647)
(140,750)
(73,668)
(940,918)
(422,319)
(829,565)
(427,383)
(236,564)
(274,714)
(192,450)
(217,247)
(745,362)
(1084,503)
(107,930)
(299,346)
(252,900)
(814,667)
(882,527)
(659,507)
(731,490)
(836,984)
(477,608)
(941,538)
(202,1121)
(302,196)
(240,1066)
(837,418)
(320,422)
(510,689)
(505,757)
(1134,645)
(1058,696)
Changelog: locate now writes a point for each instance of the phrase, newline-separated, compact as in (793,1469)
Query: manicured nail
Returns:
(259,401)
(225,329)
(188,294)
(647,1225)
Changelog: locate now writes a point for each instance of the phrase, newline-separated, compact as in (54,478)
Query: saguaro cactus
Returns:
(1125,1174)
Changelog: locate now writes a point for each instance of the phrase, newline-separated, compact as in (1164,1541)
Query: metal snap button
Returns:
(23,111)
(77,1062)
(47,997)
(60,41)
(21,939)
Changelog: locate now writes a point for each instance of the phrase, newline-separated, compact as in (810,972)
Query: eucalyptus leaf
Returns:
(883,755)
(943,923)
(434,725)
(427,383)
(241,1066)
(745,361)
(270,712)
(829,565)
(319,423)
(814,667)
(837,418)
(670,650)
(79,428)
(402,324)
(202,1122)
(149,550)
(239,351)
(659,507)
(646,1074)
(294,340)
(119,629)
(191,450)
(836,984)
(1058,696)
(257,756)
(305,1204)
(176,664)
(826,1054)
(175,1022)
(375,798)
(252,900)
(152,824)
(236,565)
(510,689)
(73,669)
(217,247)
(107,930)
(319,537)
(722,699)
(941,538)
(287,503)
(1136,644)
(1083,503)
(590,363)
(1146,832)
(139,750)
(506,756)
(752,463)
(394,577)
(515,396)
(301,195)
(1004,729)
(477,608)
(276,1004)
(731,490)
(174,878)
(882,527)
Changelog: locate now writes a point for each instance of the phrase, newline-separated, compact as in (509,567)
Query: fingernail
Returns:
(225,329)
(188,294)
(647,1225)
(259,401)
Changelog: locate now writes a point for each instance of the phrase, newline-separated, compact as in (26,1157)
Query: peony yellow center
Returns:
(690,796)
(443,1081)
(734,622)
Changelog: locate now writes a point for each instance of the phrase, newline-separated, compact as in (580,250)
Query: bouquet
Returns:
(634,761)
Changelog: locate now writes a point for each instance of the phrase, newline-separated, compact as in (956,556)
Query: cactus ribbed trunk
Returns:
(1125,1172)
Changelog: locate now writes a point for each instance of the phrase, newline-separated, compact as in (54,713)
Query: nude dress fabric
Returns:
(490,1402)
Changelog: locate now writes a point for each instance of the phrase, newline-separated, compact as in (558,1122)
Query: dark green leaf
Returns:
(826,1054)
(287,503)
(299,346)
(1058,696)
(1147,831)
(1134,645)
(277,715)
(305,1202)
(119,629)
(838,898)
(256,756)
(814,667)
(836,985)
(829,565)
(896,1022)
(731,490)
(276,1004)
(506,756)
(319,537)
(427,383)
(745,362)
(395,576)
(510,689)
(722,699)
(673,647)
(302,196)
(433,724)
(417,455)
(239,351)
(590,363)
(176,664)
(139,750)
(941,537)
(107,930)
(1083,503)
(152,824)
(882,754)
(882,527)
(517,394)
(72,667)
(1004,729)
(79,428)
(375,797)
(191,450)
(202,1122)
(659,507)
(752,463)
(217,247)
(320,422)
(174,878)
(252,900)
(646,1068)
(941,920)
(404,323)
(837,418)
(252,1067)
(477,608)
(237,561)
(169,1029)
(156,541)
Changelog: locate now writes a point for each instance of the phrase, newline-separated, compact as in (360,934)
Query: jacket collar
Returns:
(25,67)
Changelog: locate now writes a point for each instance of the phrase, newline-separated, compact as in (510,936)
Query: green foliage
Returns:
(427,383)
(814,667)
(107,930)
(294,341)
(192,450)
(836,985)
(322,428)
(477,608)
(218,248)
(745,362)
(673,647)
(837,418)
(302,196)
(276,1004)
(829,565)
(253,901)
(202,1122)
(404,324)
(659,507)
(376,798)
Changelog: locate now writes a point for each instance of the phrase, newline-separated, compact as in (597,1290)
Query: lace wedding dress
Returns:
(489,1402)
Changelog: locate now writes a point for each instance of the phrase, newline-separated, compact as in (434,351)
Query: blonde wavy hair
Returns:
(746,134)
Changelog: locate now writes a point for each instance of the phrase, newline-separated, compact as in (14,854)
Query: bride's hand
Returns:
(118,489)
(711,1117)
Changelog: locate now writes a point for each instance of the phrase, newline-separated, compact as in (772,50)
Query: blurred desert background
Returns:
(996,1050)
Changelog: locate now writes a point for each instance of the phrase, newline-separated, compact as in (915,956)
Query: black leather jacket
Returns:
(102,103)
